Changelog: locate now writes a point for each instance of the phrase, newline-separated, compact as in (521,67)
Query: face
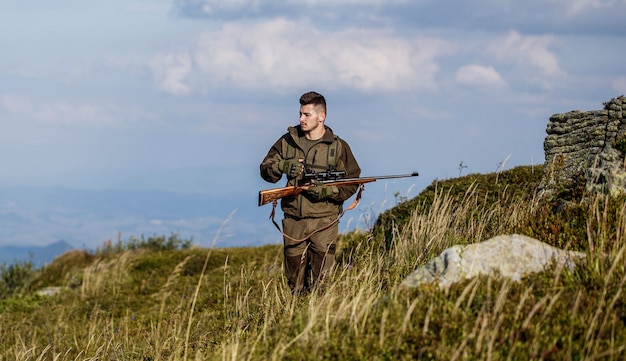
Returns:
(311,118)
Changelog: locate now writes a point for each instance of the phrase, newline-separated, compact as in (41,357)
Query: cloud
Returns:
(530,16)
(285,54)
(208,8)
(531,55)
(26,109)
(575,7)
(337,3)
(219,8)
(478,75)
(619,84)
(171,71)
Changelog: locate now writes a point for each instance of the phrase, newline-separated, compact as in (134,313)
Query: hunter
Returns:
(310,223)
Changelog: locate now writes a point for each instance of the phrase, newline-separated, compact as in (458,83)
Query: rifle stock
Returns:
(271,195)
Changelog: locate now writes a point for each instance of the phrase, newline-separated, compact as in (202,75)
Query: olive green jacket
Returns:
(302,205)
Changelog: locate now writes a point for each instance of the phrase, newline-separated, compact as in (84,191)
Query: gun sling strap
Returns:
(352,206)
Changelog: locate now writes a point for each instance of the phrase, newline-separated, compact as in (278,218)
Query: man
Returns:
(310,224)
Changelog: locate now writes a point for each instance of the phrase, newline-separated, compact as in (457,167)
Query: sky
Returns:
(188,95)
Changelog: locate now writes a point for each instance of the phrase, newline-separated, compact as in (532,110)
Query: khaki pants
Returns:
(307,263)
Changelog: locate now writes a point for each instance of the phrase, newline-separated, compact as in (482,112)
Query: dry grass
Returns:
(234,304)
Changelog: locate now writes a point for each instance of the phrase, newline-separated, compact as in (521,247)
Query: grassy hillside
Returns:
(162,299)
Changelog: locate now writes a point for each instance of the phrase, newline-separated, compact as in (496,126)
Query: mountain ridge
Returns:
(38,255)
(86,218)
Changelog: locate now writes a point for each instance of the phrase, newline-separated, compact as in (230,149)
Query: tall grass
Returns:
(234,304)
(548,316)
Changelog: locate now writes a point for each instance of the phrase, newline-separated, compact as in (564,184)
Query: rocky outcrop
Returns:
(586,150)
(510,256)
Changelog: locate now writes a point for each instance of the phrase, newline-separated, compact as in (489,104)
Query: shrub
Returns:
(154,243)
(15,277)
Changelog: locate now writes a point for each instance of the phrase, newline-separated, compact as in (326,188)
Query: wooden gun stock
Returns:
(271,195)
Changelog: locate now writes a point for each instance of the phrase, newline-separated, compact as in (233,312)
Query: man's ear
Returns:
(323,116)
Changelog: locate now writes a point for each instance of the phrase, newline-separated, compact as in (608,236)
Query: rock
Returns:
(512,256)
(50,291)
(586,151)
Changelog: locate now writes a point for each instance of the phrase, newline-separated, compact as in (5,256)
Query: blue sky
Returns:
(130,94)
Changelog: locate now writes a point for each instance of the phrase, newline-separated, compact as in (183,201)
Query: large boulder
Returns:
(512,256)
(586,151)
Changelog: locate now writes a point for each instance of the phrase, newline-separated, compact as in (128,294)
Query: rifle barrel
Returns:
(414,174)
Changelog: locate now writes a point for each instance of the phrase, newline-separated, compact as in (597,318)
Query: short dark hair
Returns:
(314,98)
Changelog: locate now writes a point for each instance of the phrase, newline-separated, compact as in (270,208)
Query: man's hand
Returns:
(292,168)
(320,191)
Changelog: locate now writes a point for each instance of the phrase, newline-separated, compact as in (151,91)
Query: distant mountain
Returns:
(212,206)
(39,255)
(87,218)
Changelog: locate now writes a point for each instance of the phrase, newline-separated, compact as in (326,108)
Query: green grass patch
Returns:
(162,300)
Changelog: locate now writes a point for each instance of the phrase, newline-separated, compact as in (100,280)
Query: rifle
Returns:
(332,178)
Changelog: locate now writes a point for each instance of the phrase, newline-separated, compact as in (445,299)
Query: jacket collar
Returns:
(296,133)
